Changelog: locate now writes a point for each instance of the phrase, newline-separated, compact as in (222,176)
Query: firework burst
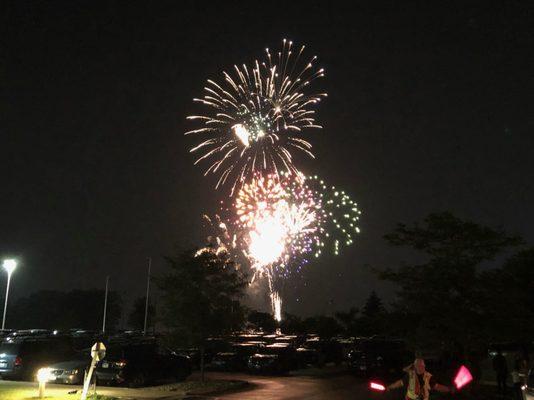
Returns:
(339,216)
(277,223)
(257,117)
(286,220)
(279,218)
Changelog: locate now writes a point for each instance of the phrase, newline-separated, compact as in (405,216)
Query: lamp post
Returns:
(149,259)
(9,265)
(105,306)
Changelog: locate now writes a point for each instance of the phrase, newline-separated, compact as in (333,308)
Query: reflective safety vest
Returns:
(415,391)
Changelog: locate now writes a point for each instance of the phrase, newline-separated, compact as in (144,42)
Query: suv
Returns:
(136,364)
(278,358)
(21,357)
(236,358)
(383,357)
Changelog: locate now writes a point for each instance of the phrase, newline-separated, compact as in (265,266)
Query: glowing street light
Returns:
(9,265)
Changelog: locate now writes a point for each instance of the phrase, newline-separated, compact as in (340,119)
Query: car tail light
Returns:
(18,361)
(377,386)
(121,363)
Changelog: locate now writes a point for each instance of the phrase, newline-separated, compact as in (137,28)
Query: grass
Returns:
(14,391)
(50,394)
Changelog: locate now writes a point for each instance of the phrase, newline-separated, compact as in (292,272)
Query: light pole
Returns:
(9,266)
(147,293)
(105,306)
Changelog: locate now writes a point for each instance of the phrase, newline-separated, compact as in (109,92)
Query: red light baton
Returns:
(377,387)
(463,377)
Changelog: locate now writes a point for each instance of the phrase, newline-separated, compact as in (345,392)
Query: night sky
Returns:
(429,109)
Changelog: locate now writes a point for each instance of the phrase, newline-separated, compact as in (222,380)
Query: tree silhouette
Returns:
(262,320)
(438,300)
(136,319)
(200,297)
(53,309)
(373,306)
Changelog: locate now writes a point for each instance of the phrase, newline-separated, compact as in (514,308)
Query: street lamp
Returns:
(9,265)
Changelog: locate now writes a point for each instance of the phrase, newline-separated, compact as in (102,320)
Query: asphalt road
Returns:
(328,387)
(338,387)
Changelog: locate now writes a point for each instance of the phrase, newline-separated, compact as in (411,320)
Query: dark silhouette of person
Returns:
(501,370)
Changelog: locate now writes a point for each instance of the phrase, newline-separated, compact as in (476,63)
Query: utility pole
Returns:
(9,266)
(149,259)
(105,306)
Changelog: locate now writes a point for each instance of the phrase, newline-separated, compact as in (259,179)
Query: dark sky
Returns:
(429,108)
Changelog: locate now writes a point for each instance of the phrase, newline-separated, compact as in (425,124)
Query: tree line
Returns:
(452,297)
(76,309)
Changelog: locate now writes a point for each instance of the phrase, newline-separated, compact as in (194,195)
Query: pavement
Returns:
(328,384)
(331,386)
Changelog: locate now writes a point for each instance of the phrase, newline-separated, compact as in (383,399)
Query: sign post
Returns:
(98,352)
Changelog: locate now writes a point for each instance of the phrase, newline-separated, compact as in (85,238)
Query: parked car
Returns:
(214,346)
(237,358)
(138,364)
(69,372)
(278,358)
(192,353)
(307,357)
(379,357)
(21,357)
(330,351)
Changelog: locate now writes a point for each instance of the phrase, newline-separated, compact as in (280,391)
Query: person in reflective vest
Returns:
(419,382)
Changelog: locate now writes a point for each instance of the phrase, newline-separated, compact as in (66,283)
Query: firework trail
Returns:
(256,118)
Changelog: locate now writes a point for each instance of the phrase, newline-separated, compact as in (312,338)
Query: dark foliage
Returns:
(201,297)
(136,319)
(51,309)
(446,299)
(262,321)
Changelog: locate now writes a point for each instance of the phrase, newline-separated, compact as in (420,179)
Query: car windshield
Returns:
(245,349)
(274,350)
(9,348)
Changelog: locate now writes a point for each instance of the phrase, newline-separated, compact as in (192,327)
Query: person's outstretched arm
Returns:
(395,385)
(443,388)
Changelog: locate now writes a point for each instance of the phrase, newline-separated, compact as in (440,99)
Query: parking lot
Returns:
(264,387)
(244,365)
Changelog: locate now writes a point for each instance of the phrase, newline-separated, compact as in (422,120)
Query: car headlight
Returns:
(72,372)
